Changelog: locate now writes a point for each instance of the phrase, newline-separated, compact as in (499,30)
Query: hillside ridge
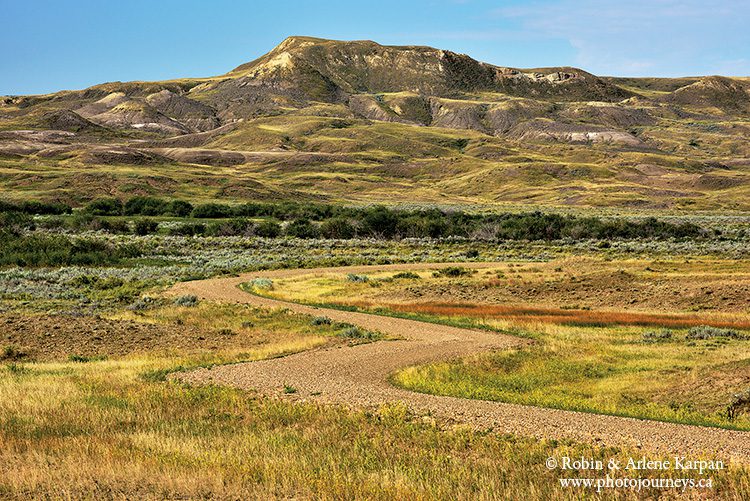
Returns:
(313,118)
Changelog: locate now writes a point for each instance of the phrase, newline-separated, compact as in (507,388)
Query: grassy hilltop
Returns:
(357,122)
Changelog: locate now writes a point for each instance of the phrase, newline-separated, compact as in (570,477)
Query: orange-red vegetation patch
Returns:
(561,316)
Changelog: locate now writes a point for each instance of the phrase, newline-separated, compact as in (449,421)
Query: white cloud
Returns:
(639,37)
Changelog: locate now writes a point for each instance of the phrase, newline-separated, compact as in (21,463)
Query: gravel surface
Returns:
(358,376)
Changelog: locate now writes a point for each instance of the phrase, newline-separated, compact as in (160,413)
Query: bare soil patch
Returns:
(57,337)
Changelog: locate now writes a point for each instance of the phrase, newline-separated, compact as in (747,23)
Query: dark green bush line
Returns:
(150,206)
(233,227)
(139,206)
(36,207)
(388,224)
(335,221)
(340,222)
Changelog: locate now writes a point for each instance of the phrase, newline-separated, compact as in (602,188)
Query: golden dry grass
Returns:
(113,430)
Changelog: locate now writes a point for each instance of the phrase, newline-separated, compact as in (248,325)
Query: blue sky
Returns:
(54,45)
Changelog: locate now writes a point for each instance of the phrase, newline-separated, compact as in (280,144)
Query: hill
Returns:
(363,122)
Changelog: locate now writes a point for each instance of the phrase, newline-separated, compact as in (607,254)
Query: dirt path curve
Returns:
(358,375)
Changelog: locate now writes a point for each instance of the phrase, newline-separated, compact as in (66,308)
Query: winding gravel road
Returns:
(358,375)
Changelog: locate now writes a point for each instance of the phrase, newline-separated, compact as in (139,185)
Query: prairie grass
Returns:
(602,370)
(587,360)
(571,317)
(376,161)
(100,430)
(249,333)
(599,368)
(114,428)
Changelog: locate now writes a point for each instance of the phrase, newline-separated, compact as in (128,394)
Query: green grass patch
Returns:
(613,371)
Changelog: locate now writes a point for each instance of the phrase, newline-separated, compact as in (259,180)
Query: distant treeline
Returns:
(341,222)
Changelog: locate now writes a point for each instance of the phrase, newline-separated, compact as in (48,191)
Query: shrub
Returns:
(159,375)
(117,227)
(261,283)
(187,300)
(84,358)
(105,207)
(107,283)
(345,222)
(353,277)
(40,208)
(144,206)
(17,369)
(145,226)
(740,402)
(321,321)
(81,221)
(380,222)
(656,336)
(212,211)
(231,228)
(355,332)
(13,223)
(452,271)
(188,229)
(268,229)
(36,207)
(339,124)
(86,246)
(179,208)
(302,228)
(407,275)
(337,228)
(8,206)
(57,250)
(424,226)
(50,223)
(708,332)
(12,352)
(141,304)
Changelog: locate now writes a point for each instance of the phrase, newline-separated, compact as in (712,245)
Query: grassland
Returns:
(151,440)
(614,371)
(112,428)
(88,339)
(322,121)
(308,157)
(97,389)
(623,357)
